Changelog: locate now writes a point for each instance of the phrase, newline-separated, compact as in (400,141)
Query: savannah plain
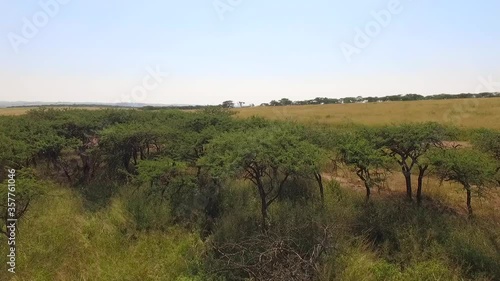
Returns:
(149,218)
(465,113)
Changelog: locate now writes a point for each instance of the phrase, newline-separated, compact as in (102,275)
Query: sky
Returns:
(209,51)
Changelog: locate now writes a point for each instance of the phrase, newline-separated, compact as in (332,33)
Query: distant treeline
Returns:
(359,99)
(183,107)
(282,102)
(144,107)
(79,105)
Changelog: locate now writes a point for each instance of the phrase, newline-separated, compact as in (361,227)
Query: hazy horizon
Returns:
(205,52)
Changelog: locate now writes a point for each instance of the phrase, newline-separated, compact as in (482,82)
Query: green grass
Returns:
(61,240)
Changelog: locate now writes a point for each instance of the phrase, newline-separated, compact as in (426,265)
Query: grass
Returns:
(389,239)
(16,111)
(465,113)
(60,240)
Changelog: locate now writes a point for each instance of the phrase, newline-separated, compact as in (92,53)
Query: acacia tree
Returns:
(13,153)
(161,173)
(488,141)
(362,155)
(26,188)
(126,144)
(285,101)
(172,181)
(407,143)
(267,157)
(470,168)
(322,143)
(228,104)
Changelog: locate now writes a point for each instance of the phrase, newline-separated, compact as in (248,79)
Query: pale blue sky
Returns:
(100,51)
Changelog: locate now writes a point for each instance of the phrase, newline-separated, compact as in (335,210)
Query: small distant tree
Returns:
(228,104)
(362,155)
(285,101)
(274,103)
(472,169)
(349,100)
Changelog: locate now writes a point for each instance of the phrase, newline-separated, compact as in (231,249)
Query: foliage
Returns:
(163,194)
(474,170)
(25,188)
(407,143)
(369,163)
(407,97)
(266,157)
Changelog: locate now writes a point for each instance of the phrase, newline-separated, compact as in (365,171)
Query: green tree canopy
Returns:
(406,143)
(363,156)
(267,157)
(472,169)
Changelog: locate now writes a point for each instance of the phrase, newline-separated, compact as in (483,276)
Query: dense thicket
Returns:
(244,199)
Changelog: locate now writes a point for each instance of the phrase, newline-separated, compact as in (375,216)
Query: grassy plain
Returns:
(466,113)
(111,231)
(15,111)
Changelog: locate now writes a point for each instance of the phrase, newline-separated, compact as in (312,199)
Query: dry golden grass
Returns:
(466,113)
(449,195)
(15,111)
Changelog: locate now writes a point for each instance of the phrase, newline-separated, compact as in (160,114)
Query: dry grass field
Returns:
(466,113)
(14,111)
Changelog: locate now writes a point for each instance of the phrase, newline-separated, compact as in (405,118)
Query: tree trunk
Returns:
(421,174)
(126,162)
(141,151)
(85,167)
(409,193)
(134,155)
(321,188)
(263,207)
(367,186)
(469,206)
(57,165)
(263,211)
